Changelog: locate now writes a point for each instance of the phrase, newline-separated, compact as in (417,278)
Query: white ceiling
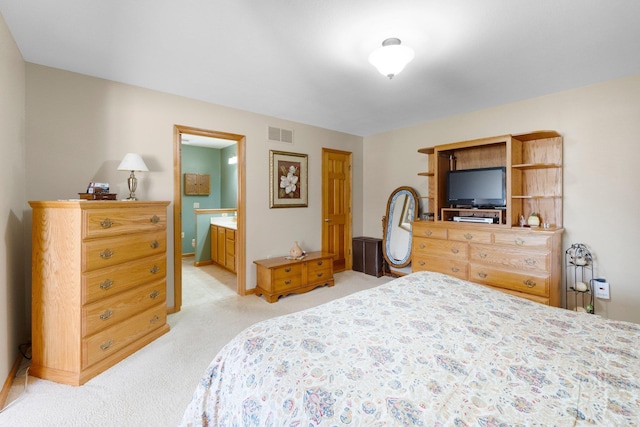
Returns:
(306,60)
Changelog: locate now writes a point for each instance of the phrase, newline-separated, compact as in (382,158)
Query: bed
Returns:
(427,350)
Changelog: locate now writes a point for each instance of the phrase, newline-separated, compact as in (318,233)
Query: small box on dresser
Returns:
(98,284)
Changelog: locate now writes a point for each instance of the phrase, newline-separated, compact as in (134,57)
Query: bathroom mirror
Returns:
(402,208)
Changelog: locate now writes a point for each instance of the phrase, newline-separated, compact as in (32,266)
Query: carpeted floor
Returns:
(153,386)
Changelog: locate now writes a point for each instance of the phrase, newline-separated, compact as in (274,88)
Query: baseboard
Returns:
(4,394)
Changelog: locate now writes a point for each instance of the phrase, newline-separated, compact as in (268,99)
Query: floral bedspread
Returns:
(426,350)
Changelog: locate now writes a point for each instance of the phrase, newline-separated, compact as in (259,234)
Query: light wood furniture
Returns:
(520,260)
(98,284)
(280,276)
(223,246)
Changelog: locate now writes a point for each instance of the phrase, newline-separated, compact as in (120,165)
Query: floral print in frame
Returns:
(288,179)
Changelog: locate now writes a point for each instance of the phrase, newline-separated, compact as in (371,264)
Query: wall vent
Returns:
(279,134)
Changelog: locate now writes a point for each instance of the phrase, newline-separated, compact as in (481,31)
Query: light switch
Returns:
(196,205)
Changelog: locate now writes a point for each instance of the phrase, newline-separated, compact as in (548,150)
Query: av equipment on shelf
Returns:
(474,219)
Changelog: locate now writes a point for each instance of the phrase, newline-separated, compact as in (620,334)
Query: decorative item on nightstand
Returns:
(296,252)
(579,279)
(134,163)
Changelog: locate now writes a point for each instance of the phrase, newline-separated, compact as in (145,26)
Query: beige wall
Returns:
(600,125)
(13,329)
(80,127)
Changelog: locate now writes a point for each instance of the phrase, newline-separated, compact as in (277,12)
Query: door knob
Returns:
(327,220)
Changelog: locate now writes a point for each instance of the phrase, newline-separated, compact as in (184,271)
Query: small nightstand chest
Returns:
(281,276)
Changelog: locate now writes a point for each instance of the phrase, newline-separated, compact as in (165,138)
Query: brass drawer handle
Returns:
(106,284)
(319,263)
(529,283)
(455,250)
(422,263)
(530,261)
(154,294)
(154,319)
(287,270)
(421,246)
(320,274)
(106,254)
(468,236)
(482,255)
(106,314)
(155,244)
(154,269)
(482,275)
(519,241)
(455,269)
(106,223)
(287,282)
(155,219)
(428,233)
(105,345)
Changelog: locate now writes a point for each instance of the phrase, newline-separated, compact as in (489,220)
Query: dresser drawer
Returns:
(510,257)
(523,240)
(526,282)
(317,265)
(103,283)
(469,235)
(111,222)
(287,271)
(105,313)
(443,248)
(104,343)
(441,265)
(115,250)
(427,229)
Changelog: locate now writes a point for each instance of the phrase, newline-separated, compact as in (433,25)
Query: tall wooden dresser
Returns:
(98,284)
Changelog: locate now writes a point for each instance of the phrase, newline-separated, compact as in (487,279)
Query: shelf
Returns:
(429,150)
(525,166)
(536,197)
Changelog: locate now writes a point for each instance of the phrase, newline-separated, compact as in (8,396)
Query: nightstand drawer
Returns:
(111,222)
(284,283)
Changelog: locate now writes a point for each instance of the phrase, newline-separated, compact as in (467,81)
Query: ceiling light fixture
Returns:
(391,58)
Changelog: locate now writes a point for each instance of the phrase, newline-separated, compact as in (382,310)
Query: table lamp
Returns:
(134,163)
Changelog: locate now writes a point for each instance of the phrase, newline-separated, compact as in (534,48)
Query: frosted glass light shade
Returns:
(133,162)
(391,58)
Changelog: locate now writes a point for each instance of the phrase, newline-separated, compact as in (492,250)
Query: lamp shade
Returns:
(391,58)
(133,162)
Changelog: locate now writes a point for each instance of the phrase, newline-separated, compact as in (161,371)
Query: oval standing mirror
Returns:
(401,210)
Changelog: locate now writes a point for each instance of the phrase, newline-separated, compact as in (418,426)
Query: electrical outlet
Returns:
(196,205)
(601,288)
(193,243)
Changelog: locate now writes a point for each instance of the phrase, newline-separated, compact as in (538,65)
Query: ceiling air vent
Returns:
(280,135)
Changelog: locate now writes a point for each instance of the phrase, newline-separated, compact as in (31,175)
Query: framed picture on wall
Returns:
(288,180)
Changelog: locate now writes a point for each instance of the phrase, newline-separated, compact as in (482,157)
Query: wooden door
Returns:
(336,207)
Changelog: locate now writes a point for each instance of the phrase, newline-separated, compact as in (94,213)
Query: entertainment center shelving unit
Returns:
(525,261)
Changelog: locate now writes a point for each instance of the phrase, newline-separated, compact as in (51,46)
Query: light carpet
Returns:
(153,386)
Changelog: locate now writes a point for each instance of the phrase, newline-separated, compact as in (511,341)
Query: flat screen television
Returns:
(478,188)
